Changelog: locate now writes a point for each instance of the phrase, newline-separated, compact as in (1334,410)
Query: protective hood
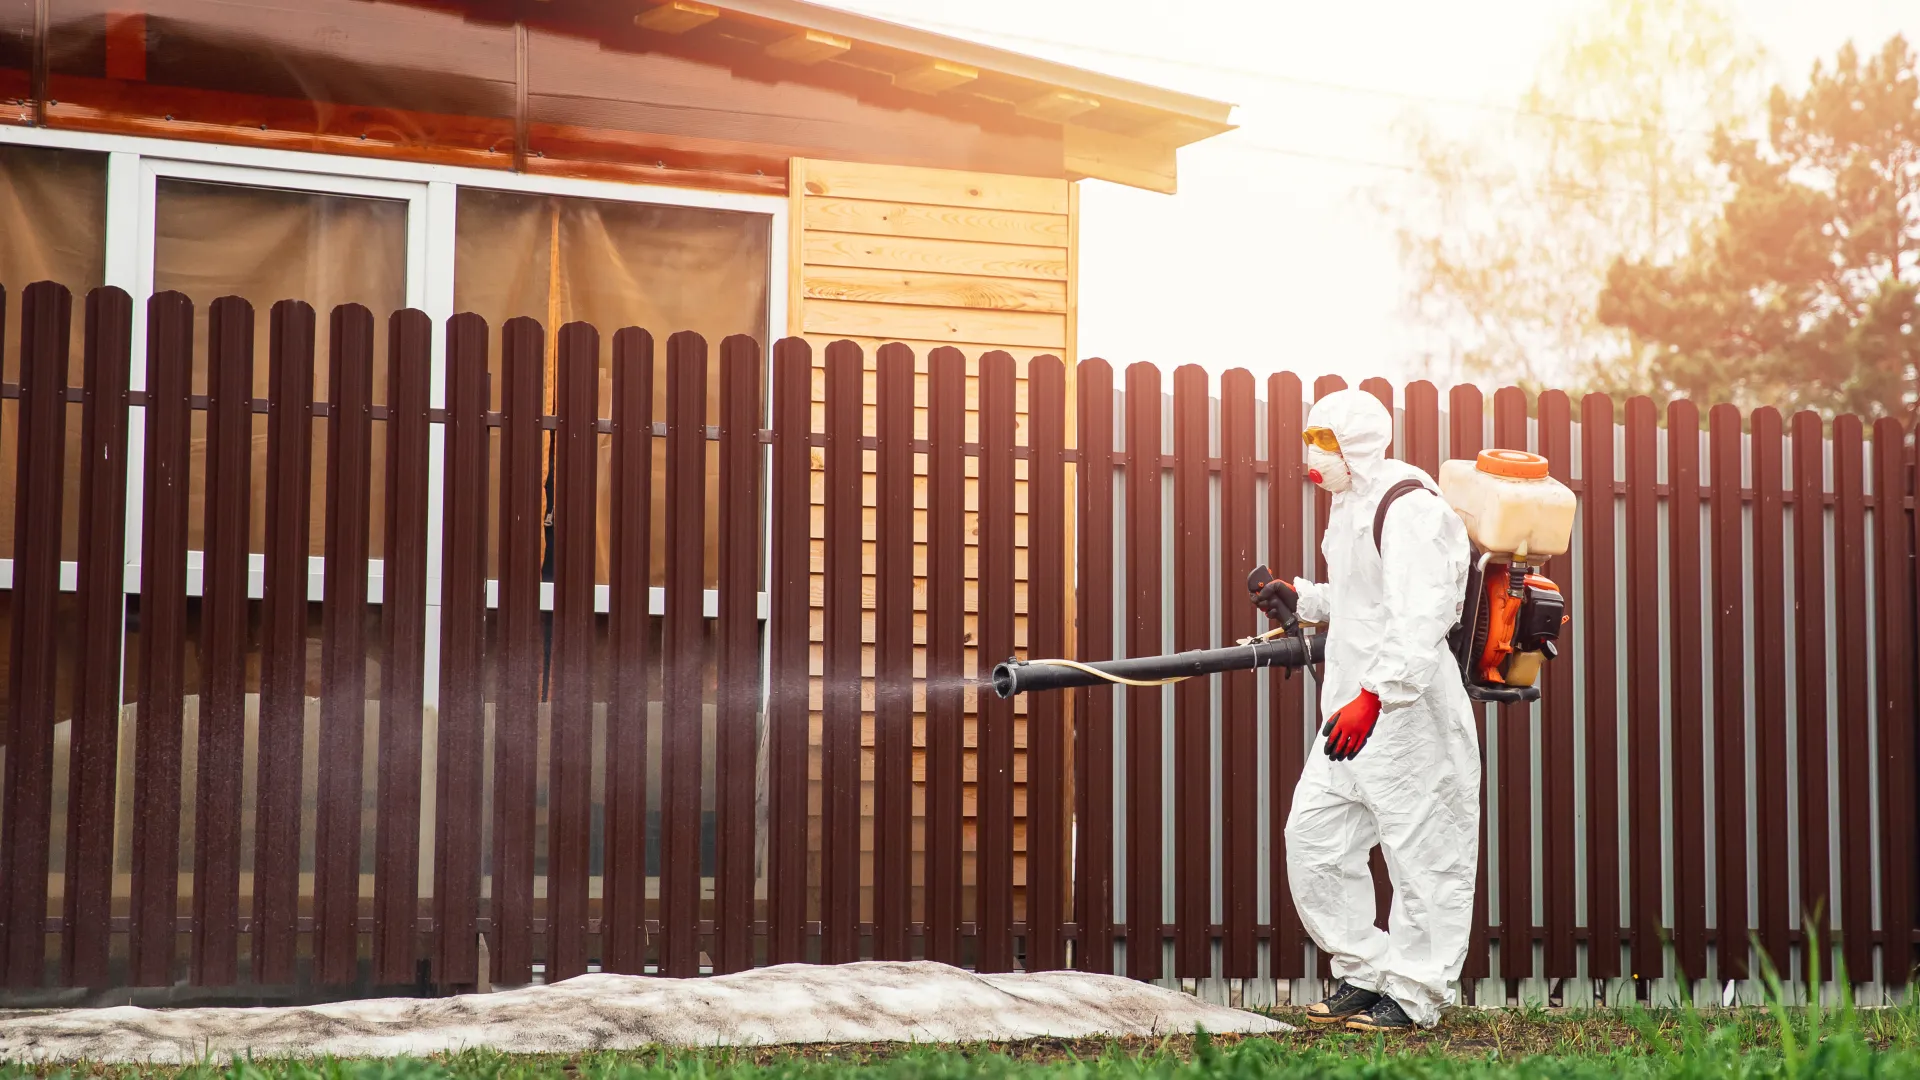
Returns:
(1365,430)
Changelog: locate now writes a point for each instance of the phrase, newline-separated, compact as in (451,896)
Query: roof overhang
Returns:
(1111,128)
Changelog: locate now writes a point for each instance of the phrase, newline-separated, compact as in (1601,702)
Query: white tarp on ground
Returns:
(855,1003)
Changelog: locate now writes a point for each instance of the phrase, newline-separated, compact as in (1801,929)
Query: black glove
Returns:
(1273,595)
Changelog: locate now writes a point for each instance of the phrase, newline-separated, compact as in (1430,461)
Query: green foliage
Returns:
(1804,292)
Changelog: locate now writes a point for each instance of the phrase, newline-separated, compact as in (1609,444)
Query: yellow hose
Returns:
(1098,674)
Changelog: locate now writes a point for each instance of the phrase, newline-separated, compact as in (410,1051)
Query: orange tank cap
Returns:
(1517,464)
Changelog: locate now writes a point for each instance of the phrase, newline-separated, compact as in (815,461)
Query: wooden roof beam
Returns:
(1057,106)
(676,17)
(808,47)
(935,77)
(1123,159)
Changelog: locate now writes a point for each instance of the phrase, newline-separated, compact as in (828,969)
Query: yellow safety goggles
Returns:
(1322,438)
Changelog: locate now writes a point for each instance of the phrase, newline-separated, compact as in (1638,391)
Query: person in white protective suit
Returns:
(1400,765)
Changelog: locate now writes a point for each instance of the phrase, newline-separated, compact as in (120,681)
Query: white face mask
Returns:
(1328,470)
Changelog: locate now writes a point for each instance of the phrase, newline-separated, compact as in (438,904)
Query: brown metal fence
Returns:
(1726,745)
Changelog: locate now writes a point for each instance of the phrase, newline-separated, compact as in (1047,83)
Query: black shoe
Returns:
(1386,1015)
(1346,1001)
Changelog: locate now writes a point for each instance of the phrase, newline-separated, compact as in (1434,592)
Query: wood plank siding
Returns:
(930,258)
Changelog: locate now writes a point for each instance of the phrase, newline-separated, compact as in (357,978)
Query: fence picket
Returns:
(1192,699)
(162,645)
(840,750)
(46,317)
(893,655)
(1516,763)
(1287,692)
(343,650)
(1048,883)
(1854,701)
(1145,704)
(994,718)
(463,613)
(1685,693)
(946,649)
(1239,734)
(682,660)
(1093,707)
(1598,618)
(1811,554)
(1731,919)
(1560,898)
(1773,777)
(737,698)
(1422,425)
(1382,391)
(576,457)
(1466,430)
(101,578)
(1894,605)
(518,650)
(403,610)
(790,688)
(283,641)
(623,934)
(223,644)
(1646,808)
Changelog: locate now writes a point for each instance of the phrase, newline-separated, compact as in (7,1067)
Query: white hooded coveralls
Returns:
(1414,789)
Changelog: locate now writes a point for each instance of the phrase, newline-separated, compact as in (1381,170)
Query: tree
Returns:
(1509,231)
(1805,291)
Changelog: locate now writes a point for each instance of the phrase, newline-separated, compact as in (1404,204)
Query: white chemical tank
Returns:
(1511,507)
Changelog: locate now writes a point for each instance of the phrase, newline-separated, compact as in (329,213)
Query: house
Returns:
(760,167)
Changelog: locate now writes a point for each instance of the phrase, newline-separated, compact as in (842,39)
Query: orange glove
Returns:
(1347,729)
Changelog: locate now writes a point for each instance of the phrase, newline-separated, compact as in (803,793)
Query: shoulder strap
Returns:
(1387,500)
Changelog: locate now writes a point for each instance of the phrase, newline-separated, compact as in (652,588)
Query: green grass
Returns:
(1683,1044)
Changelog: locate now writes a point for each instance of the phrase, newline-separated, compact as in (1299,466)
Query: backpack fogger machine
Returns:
(1517,517)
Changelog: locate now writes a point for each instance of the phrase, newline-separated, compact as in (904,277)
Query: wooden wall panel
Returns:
(929,258)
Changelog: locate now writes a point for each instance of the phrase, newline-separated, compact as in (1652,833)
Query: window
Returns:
(264,245)
(53,209)
(617,264)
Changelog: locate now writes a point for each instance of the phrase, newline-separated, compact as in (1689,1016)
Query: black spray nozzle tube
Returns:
(1022,677)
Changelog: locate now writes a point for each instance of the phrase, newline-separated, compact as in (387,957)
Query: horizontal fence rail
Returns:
(660,656)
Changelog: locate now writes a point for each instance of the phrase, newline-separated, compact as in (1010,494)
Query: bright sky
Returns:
(1272,255)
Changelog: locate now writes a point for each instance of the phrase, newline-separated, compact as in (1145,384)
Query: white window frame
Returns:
(136,164)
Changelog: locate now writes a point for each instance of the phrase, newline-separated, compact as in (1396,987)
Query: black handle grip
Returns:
(1503,695)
